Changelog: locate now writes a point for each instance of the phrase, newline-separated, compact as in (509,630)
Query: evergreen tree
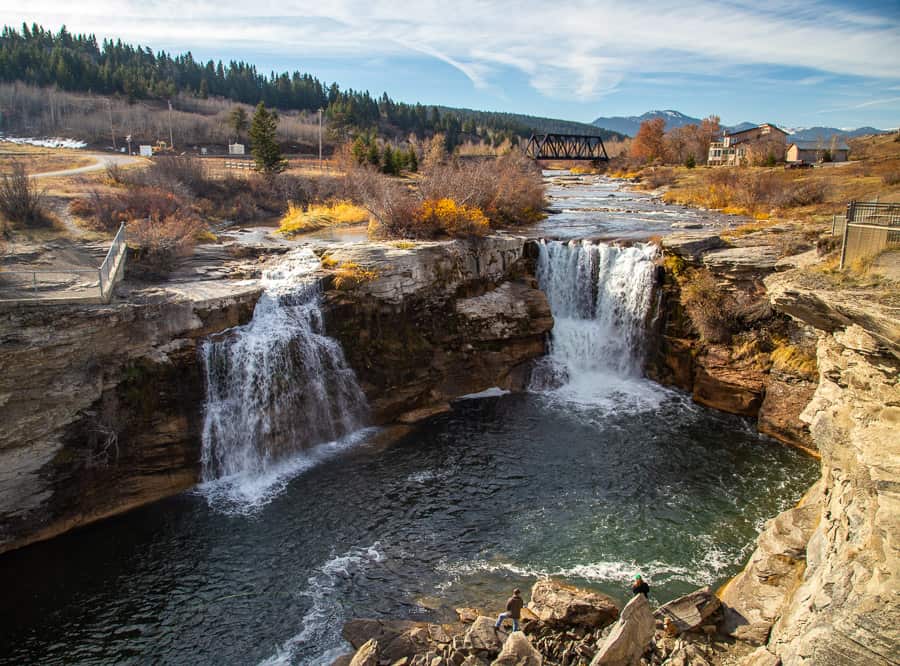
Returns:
(237,120)
(388,164)
(412,160)
(266,151)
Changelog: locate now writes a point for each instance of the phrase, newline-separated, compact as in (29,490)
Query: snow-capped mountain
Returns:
(629,125)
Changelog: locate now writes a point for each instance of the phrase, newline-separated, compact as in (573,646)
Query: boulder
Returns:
(483,637)
(562,606)
(396,638)
(366,655)
(691,611)
(629,637)
(518,651)
(467,615)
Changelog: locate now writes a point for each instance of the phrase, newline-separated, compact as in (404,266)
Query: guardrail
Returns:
(870,228)
(37,285)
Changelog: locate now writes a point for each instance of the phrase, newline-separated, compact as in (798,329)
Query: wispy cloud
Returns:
(583,50)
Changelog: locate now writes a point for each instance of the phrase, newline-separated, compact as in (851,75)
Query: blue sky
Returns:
(796,64)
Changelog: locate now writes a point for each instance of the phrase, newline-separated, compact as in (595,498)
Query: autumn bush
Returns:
(21,200)
(712,309)
(160,241)
(451,218)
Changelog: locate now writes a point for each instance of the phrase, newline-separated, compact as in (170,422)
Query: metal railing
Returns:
(40,285)
(111,267)
(870,228)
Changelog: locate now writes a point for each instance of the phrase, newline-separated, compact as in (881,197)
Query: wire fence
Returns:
(870,228)
(67,285)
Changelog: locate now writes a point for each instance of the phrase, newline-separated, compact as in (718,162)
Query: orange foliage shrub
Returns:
(452,218)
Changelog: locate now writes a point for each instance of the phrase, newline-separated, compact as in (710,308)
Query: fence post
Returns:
(851,215)
(100,281)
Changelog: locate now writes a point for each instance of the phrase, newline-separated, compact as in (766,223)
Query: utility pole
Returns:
(171,138)
(112,132)
(320,139)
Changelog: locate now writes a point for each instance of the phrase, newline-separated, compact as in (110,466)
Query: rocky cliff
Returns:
(101,405)
(732,351)
(437,321)
(822,586)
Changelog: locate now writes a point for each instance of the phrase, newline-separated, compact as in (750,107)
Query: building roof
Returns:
(753,129)
(819,145)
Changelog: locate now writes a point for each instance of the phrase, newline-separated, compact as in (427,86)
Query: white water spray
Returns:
(600,296)
(277,385)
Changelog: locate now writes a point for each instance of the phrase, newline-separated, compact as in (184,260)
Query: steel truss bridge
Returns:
(566,147)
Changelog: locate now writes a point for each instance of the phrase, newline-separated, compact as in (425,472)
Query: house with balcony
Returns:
(745,146)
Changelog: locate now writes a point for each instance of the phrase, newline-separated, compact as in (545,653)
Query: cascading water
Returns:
(277,385)
(600,296)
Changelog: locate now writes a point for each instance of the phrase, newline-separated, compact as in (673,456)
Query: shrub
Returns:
(451,218)
(712,309)
(319,216)
(658,177)
(21,202)
(892,177)
(185,170)
(160,242)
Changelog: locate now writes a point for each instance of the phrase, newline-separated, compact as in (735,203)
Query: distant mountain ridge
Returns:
(629,126)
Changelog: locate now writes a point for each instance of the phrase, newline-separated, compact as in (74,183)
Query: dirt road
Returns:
(103,161)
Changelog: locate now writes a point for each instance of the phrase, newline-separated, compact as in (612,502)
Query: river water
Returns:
(592,476)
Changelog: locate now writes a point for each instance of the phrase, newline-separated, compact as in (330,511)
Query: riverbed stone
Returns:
(518,651)
(559,605)
(482,637)
(366,655)
(630,635)
(690,611)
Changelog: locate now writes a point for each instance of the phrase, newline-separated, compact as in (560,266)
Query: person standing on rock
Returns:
(513,610)
(640,586)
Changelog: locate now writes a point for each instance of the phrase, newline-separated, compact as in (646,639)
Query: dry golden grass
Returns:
(787,357)
(320,216)
(41,160)
(403,244)
(350,274)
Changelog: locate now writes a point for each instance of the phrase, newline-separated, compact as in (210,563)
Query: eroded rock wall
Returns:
(438,321)
(734,375)
(101,406)
(846,608)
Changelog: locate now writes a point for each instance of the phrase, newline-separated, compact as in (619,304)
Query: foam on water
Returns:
(600,296)
(321,625)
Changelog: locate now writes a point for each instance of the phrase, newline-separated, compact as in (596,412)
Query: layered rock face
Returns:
(737,376)
(846,610)
(101,406)
(438,321)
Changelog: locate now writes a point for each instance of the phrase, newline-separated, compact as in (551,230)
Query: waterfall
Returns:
(600,296)
(277,385)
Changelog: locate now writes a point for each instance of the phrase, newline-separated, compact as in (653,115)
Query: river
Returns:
(593,475)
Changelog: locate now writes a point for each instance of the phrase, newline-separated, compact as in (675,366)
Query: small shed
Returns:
(813,152)
(235,149)
(146,151)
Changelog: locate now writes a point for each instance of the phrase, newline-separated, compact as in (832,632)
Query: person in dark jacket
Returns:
(513,610)
(639,586)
